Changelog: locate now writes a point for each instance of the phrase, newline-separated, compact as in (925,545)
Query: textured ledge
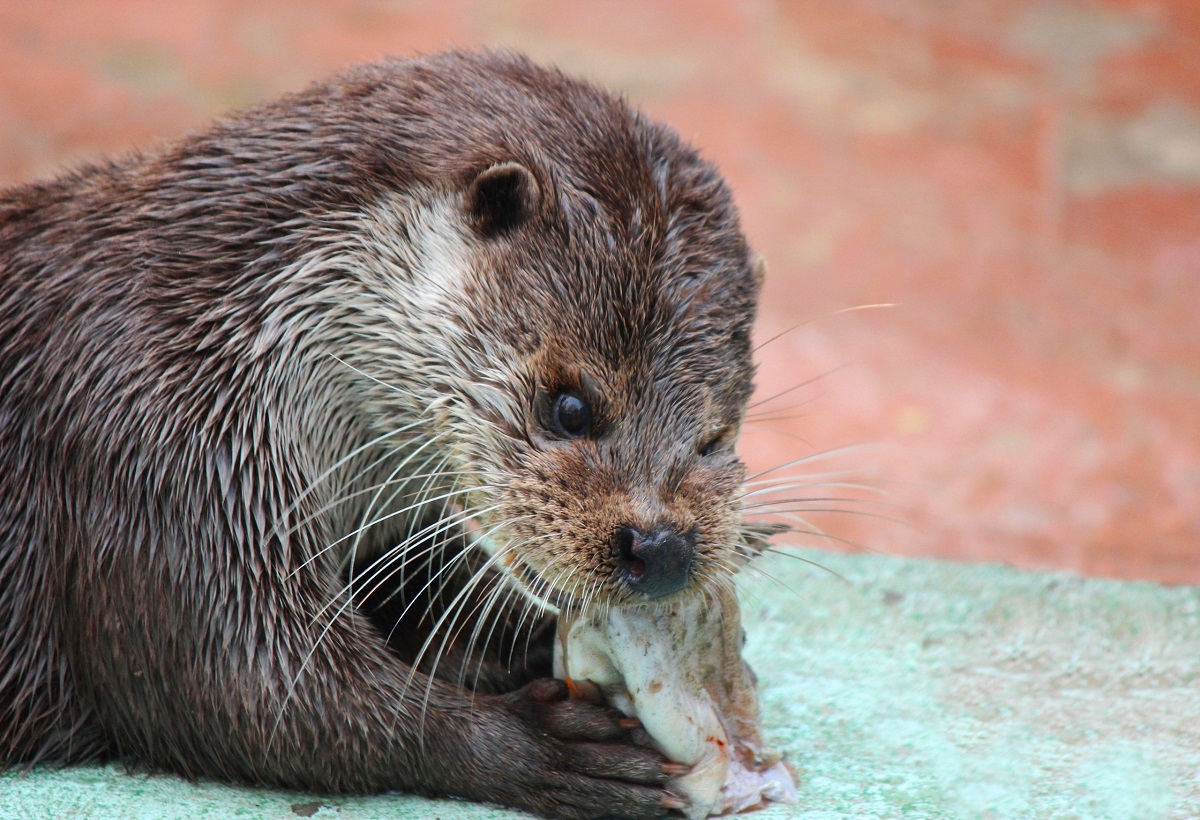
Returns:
(898,688)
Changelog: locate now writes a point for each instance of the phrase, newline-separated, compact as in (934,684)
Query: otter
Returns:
(312,421)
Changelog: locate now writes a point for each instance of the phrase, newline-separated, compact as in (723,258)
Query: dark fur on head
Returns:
(259,391)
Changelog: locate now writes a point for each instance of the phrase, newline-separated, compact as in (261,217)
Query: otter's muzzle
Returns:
(655,563)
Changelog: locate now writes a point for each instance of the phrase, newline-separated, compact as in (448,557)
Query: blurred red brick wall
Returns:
(1021,179)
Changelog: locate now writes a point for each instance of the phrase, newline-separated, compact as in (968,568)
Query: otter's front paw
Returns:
(570,758)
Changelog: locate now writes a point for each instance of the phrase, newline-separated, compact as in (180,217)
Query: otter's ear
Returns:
(502,197)
(760,268)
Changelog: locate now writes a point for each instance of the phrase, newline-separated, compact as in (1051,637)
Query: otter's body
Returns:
(261,391)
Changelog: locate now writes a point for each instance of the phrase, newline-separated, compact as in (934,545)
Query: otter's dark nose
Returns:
(655,563)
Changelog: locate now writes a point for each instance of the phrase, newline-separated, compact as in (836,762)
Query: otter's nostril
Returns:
(637,570)
(658,563)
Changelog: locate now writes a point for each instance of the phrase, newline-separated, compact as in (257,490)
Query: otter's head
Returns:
(615,309)
(584,297)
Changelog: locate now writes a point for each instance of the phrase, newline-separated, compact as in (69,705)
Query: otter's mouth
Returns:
(513,566)
(541,590)
(538,588)
(659,565)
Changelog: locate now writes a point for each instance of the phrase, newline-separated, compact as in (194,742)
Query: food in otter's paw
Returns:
(678,668)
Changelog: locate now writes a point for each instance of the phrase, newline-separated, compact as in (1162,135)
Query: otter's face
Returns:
(611,325)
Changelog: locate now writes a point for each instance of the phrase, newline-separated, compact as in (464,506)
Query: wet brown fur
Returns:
(191,340)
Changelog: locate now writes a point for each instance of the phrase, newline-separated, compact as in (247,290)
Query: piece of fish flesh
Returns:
(678,668)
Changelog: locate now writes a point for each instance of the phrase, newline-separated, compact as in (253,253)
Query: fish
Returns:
(678,668)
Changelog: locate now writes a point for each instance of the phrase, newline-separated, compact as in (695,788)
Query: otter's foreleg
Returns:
(261,689)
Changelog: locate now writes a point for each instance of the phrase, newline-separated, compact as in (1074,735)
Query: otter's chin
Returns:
(584,595)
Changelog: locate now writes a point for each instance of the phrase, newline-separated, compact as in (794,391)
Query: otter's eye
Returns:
(715,444)
(571,416)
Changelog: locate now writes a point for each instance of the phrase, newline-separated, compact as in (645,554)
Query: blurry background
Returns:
(1021,178)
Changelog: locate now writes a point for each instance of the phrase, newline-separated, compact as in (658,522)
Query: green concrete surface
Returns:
(898,688)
